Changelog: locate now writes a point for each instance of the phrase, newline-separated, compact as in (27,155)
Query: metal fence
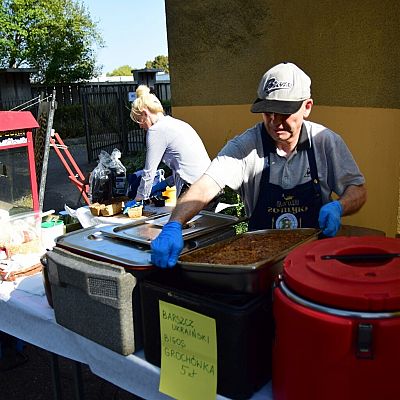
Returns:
(108,125)
(71,93)
(105,125)
(97,111)
(100,112)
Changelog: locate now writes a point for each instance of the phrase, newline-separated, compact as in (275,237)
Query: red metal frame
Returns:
(83,187)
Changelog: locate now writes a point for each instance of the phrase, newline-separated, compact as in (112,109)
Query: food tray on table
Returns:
(144,231)
(244,263)
(128,245)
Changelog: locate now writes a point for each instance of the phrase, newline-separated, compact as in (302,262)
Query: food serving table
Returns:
(26,314)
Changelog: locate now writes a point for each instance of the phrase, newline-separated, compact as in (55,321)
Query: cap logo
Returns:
(273,84)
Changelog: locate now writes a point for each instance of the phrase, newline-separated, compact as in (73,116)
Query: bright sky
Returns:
(134,31)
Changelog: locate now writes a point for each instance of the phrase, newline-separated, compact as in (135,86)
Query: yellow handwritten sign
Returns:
(188,354)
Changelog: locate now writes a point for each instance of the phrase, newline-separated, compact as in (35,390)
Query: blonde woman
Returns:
(169,140)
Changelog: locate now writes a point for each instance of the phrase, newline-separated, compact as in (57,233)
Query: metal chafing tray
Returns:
(128,245)
(146,230)
(255,277)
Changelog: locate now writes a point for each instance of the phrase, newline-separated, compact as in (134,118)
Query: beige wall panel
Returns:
(217,124)
(398,214)
(371,134)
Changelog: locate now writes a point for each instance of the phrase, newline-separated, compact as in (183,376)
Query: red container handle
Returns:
(361,257)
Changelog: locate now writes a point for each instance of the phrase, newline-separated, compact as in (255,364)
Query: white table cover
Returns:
(25,313)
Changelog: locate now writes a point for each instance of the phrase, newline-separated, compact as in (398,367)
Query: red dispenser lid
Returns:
(351,273)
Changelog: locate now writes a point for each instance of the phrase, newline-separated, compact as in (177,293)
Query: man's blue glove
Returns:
(167,246)
(329,218)
(159,187)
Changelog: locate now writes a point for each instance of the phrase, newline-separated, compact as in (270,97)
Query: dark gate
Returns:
(103,123)
(107,122)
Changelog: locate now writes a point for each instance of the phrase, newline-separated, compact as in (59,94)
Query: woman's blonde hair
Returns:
(145,99)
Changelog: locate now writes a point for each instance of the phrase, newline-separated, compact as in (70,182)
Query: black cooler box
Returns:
(244,330)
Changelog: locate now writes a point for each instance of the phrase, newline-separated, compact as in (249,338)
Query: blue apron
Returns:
(279,208)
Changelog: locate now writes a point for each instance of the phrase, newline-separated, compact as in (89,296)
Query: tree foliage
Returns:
(124,70)
(160,62)
(56,37)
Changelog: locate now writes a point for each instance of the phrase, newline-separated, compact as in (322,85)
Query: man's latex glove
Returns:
(131,203)
(167,246)
(159,187)
(329,218)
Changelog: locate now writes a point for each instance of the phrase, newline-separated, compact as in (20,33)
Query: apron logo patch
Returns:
(286,221)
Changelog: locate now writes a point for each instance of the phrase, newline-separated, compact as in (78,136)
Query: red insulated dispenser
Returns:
(337,317)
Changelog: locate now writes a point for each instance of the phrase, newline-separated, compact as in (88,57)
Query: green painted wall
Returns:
(218,50)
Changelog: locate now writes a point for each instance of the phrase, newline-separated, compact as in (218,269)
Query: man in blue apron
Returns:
(281,208)
(285,168)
